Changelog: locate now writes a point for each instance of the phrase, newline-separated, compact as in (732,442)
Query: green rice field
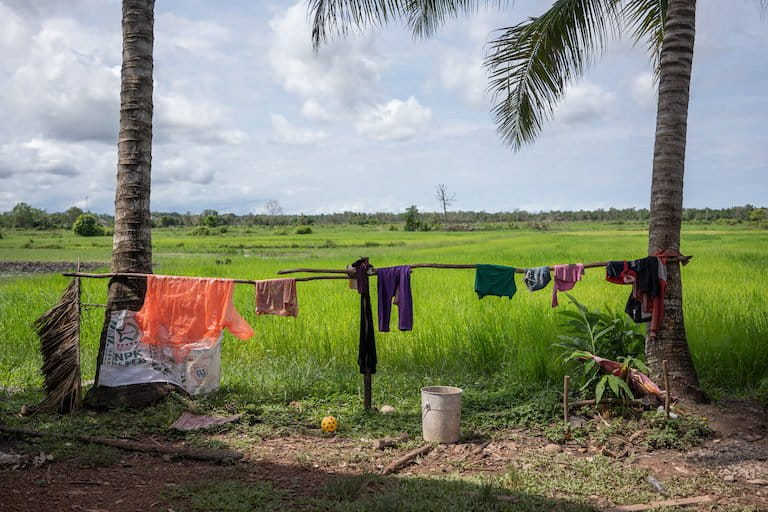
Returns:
(457,339)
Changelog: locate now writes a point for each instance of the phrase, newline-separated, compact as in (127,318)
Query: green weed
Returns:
(228,496)
(678,433)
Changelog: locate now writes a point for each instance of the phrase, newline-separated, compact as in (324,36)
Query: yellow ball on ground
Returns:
(329,424)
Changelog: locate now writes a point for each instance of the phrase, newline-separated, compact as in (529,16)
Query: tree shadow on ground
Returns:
(137,481)
(301,488)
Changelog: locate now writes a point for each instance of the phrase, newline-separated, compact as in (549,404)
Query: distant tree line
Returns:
(24,216)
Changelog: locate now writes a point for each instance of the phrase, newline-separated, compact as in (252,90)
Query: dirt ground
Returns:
(28,267)
(737,455)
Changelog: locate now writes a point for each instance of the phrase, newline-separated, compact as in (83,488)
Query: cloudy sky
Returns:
(245,112)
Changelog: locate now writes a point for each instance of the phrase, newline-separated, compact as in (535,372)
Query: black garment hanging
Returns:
(645,287)
(366,355)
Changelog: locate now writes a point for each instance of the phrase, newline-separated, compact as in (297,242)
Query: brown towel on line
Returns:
(277,297)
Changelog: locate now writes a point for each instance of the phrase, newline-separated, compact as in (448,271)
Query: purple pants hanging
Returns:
(395,281)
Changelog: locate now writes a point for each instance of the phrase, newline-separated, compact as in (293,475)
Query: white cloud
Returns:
(179,117)
(464,72)
(311,109)
(196,38)
(287,133)
(394,120)
(583,103)
(42,171)
(643,90)
(67,85)
(340,76)
(178,169)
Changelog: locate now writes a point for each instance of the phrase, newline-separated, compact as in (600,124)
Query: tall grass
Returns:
(457,339)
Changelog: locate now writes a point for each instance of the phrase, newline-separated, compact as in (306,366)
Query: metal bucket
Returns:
(441,413)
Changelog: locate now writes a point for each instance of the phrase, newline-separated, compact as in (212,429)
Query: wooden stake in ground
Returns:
(407,459)
(367,390)
(667,394)
(566,381)
(136,446)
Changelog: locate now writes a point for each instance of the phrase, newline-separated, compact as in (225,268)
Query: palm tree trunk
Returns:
(670,342)
(132,240)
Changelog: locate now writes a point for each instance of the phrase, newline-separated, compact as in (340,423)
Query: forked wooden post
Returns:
(667,394)
(566,383)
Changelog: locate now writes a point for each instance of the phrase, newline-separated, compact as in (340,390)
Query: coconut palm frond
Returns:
(530,64)
(646,19)
(426,16)
(337,17)
(59,332)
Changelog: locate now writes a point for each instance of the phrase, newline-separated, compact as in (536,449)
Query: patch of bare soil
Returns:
(299,465)
(31,267)
(737,453)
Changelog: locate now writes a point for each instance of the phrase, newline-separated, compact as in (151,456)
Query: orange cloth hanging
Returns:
(186,313)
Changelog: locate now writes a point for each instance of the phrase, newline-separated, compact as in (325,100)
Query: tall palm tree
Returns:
(132,239)
(531,64)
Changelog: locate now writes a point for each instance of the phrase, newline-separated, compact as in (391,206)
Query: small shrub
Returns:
(201,231)
(281,232)
(95,456)
(458,227)
(412,219)
(542,225)
(393,227)
(87,225)
(609,334)
(678,433)
(328,244)
(303,230)
(223,229)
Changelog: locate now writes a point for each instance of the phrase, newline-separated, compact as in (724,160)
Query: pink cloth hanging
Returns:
(565,278)
(277,297)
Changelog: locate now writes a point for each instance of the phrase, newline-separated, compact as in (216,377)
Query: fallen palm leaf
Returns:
(59,332)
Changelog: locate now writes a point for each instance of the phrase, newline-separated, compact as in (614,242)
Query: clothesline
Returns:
(140,275)
(682,259)
(395,282)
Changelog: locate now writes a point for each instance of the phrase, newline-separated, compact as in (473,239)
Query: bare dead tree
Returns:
(441,194)
(272,207)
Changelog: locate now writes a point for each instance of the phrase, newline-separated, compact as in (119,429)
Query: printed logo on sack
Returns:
(122,339)
(199,371)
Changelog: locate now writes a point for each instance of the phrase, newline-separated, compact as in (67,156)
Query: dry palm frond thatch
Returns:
(59,332)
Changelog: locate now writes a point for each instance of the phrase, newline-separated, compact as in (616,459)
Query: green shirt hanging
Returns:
(495,280)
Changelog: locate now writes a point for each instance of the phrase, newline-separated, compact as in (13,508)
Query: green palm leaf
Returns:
(530,64)
(336,17)
(426,16)
(646,19)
